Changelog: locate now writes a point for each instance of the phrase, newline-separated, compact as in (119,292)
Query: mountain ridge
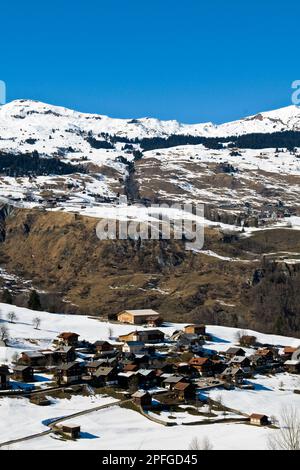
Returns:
(278,120)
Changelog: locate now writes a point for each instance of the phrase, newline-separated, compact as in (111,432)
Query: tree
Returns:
(4,334)
(12,316)
(197,444)
(288,436)
(110,331)
(7,297)
(34,302)
(15,358)
(36,322)
(238,335)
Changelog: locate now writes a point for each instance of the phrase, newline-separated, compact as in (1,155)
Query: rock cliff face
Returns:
(75,272)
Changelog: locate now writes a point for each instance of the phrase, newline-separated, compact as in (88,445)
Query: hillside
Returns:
(63,170)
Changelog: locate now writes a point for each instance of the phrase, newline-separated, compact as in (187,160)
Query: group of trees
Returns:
(34,303)
(286,139)
(29,164)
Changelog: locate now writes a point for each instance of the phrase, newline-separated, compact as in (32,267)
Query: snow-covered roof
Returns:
(141,313)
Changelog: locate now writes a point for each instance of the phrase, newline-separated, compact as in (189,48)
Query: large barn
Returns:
(138,317)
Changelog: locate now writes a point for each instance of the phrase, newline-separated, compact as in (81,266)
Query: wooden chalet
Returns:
(186,370)
(70,430)
(142,398)
(259,419)
(185,391)
(292,366)
(240,361)
(67,338)
(101,347)
(234,375)
(133,347)
(33,359)
(247,340)
(195,329)
(23,373)
(69,373)
(64,354)
(170,382)
(288,351)
(130,367)
(4,377)
(266,354)
(92,366)
(104,376)
(146,336)
(234,351)
(138,317)
(146,377)
(128,380)
(204,365)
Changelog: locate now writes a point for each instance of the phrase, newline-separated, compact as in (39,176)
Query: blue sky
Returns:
(188,60)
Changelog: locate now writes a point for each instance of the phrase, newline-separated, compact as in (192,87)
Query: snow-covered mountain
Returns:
(25,118)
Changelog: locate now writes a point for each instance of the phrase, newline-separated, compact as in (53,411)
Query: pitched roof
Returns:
(4,369)
(257,416)
(103,371)
(195,325)
(233,350)
(68,365)
(20,368)
(264,352)
(95,364)
(67,335)
(198,361)
(33,354)
(289,350)
(232,371)
(145,372)
(173,379)
(238,359)
(181,386)
(141,313)
(139,394)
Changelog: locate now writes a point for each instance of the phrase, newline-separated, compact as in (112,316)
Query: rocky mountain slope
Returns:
(61,171)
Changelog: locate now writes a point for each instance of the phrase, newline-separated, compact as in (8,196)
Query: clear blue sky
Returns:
(189,60)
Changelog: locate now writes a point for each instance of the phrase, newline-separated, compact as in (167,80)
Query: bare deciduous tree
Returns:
(36,322)
(4,334)
(238,336)
(110,331)
(11,316)
(197,444)
(288,436)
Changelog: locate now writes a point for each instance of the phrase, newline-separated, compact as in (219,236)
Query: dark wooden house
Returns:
(195,329)
(234,351)
(23,373)
(67,338)
(142,398)
(69,373)
(203,364)
(185,391)
(102,346)
(33,359)
(4,377)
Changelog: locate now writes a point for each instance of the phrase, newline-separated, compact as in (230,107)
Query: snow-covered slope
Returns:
(25,118)
(20,418)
